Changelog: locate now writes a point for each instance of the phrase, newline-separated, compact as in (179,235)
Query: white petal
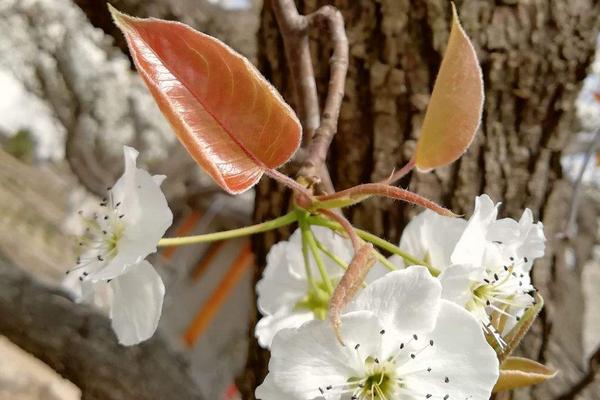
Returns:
(457,280)
(406,301)
(471,246)
(269,391)
(309,357)
(460,353)
(269,325)
(432,237)
(137,304)
(281,287)
(146,217)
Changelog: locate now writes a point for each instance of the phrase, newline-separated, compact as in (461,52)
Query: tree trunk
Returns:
(533,55)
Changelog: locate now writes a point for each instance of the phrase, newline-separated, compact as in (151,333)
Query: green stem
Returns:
(309,239)
(332,256)
(305,231)
(384,261)
(233,233)
(379,242)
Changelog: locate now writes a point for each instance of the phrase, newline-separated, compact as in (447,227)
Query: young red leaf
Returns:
(454,110)
(228,117)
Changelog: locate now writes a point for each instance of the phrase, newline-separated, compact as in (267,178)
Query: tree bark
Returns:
(79,344)
(533,55)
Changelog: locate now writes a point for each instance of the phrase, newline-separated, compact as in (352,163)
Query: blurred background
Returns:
(70,99)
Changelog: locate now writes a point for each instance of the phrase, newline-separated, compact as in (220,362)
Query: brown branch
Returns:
(294,29)
(79,344)
(586,380)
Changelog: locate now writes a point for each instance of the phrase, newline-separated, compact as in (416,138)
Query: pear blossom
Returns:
(401,340)
(484,262)
(111,270)
(285,297)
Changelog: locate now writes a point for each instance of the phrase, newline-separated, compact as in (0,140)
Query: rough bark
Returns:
(79,344)
(533,54)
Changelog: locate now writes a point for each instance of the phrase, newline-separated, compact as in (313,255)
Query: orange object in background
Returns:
(188,224)
(208,257)
(205,315)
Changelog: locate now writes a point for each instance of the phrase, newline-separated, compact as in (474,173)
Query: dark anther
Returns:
(525,259)
(328,387)
(415,337)
(412,355)
(100,258)
(321,390)
(357,346)
(496,276)
(401,346)
(382,331)
(431,342)
(446,379)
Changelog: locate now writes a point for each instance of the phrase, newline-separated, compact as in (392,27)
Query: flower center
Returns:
(503,293)
(379,382)
(316,300)
(100,242)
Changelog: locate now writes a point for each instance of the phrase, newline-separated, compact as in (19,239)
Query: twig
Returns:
(574,204)
(346,225)
(586,380)
(294,29)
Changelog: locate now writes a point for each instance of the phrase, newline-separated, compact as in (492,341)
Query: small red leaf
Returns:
(455,107)
(228,117)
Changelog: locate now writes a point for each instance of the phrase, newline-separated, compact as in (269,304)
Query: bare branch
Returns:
(294,29)
(586,380)
(80,345)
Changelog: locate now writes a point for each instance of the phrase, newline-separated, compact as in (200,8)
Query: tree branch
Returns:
(294,30)
(79,344)
(586,380)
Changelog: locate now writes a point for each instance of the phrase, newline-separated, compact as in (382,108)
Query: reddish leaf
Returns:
(228,117)
(454,110)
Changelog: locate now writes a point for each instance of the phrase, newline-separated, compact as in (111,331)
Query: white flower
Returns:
(112,269)
(402,341)
(484,263)
(285,298)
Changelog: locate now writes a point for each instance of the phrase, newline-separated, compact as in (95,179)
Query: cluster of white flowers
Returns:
(112,268)
(407,334)
(485,263)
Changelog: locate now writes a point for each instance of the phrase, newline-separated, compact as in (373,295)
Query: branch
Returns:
(80,345)
(294,29)
(586,380)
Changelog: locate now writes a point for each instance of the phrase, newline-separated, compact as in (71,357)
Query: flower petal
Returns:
(472,245)
(457,280)
(269,325)
(281,286)
(146,216)
(432,237)
(310,357)
(406,300)
(137,304)
(463,365)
